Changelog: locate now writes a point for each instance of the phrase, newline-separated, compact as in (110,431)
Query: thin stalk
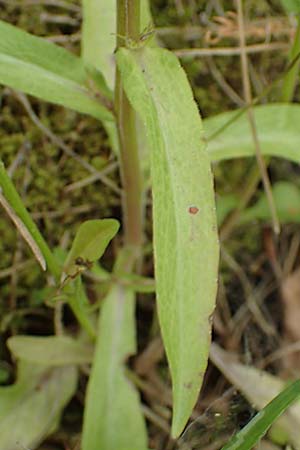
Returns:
(128,28)
(23,231)
(16,203)
(251,119)
(291,78)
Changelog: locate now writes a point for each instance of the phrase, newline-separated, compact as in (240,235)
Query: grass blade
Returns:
(259,425)
(259,388)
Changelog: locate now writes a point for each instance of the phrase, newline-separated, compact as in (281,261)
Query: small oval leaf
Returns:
(91,240)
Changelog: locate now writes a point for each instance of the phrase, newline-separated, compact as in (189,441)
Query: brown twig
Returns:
(263,29)
(226,88)
(23,231)
(251,118)
(61,19)
(231,51)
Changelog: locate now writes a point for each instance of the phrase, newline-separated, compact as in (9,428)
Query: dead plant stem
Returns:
(251,119)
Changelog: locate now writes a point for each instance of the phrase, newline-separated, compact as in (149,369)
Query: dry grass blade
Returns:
(23,231)
(229,51)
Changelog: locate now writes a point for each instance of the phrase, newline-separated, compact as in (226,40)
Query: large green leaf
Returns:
(277,127)
(91,240)
(40,68)
(185,237)
(52,350)
(30,409)
(113,418)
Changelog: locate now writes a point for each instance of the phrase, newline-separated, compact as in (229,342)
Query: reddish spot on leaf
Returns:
(293,211)
(193,209)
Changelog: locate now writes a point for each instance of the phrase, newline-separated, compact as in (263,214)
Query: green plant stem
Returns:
(290,80)
(16,203)
(128,28)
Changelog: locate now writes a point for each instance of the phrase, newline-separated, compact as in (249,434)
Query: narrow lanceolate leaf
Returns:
(98,47)
(31,408)
(52,350)
(113,418)
(185,237)
(91,240)
(229,136)
(40,68)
